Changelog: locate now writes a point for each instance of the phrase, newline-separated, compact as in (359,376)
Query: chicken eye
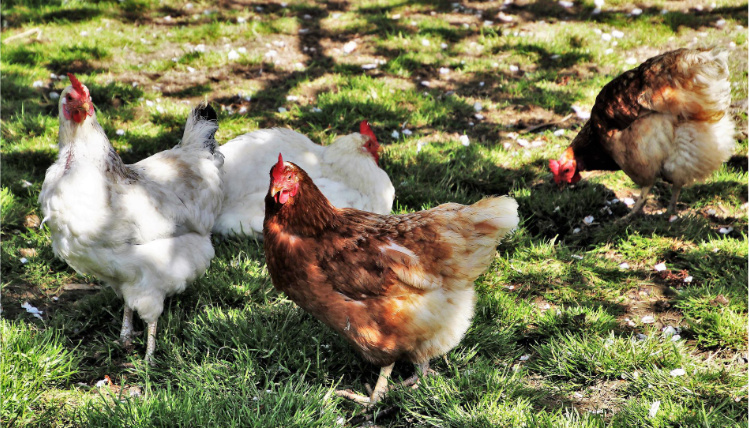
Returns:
(69,98)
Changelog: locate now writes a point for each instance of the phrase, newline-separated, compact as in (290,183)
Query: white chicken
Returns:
(346,172)
(143,229)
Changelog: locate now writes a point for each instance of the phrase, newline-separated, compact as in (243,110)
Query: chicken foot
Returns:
(382,387)
(151,346)
(126,334)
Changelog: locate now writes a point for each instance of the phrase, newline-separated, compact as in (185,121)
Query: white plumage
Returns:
(144,229)
(346,173)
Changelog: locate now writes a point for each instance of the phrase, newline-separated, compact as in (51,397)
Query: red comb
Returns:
(77,85)
(278,168)
(364,129)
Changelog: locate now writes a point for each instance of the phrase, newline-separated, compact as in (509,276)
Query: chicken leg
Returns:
(151,346)
(382,388)
(674,198)
(126,334)
(639,204)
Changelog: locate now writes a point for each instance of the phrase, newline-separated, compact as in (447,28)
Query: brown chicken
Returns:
(666,118)
(397,287)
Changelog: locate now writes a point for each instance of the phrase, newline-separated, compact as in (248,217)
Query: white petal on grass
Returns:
(241,20)
(636,11)
(631,60)
(425,42)
(444,70)
(606,37)
(576,230)
(514,68)
(54,95)
(628,201)
(443,45)
(407,132)
(588,220)
(233,55)
(581,114)
(477,106)
(678,372)
(688,279)
(271,53)
(464,140)
(426,83)
(648,319)
(624,265)
(292,98)
(102,383)
(120,132)
(368,66)
(200,48)
(566,4)
(37,84)
(673,218)
(482,84)
(479,116)
(282,110)
(660,267)
(419,146)
(559,132)
(641,336)
(654,408)
(725,230)
(32,310)
(675,338)
(395,134)
(525,357)
(349,47)
(669,331)
(617,34)
(504,18)
(576,256)
(242,50)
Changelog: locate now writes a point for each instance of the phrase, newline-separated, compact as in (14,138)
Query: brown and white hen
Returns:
(397,287)
(667,118)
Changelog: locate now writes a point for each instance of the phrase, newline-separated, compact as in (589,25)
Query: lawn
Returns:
(574,325)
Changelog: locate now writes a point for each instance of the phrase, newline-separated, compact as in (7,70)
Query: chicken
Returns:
(666,118)
(143,229)
(396,287)
(346,172)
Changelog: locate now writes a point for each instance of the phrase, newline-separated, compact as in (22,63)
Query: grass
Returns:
(558,339)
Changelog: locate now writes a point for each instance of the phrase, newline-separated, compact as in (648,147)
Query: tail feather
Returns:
(200,129)
(499,214)
(696,86)
(490,220)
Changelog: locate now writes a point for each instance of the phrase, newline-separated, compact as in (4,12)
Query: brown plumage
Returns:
(396,287)
(665,119)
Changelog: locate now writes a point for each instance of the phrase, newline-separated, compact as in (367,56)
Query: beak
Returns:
(86,106)
(274,189)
